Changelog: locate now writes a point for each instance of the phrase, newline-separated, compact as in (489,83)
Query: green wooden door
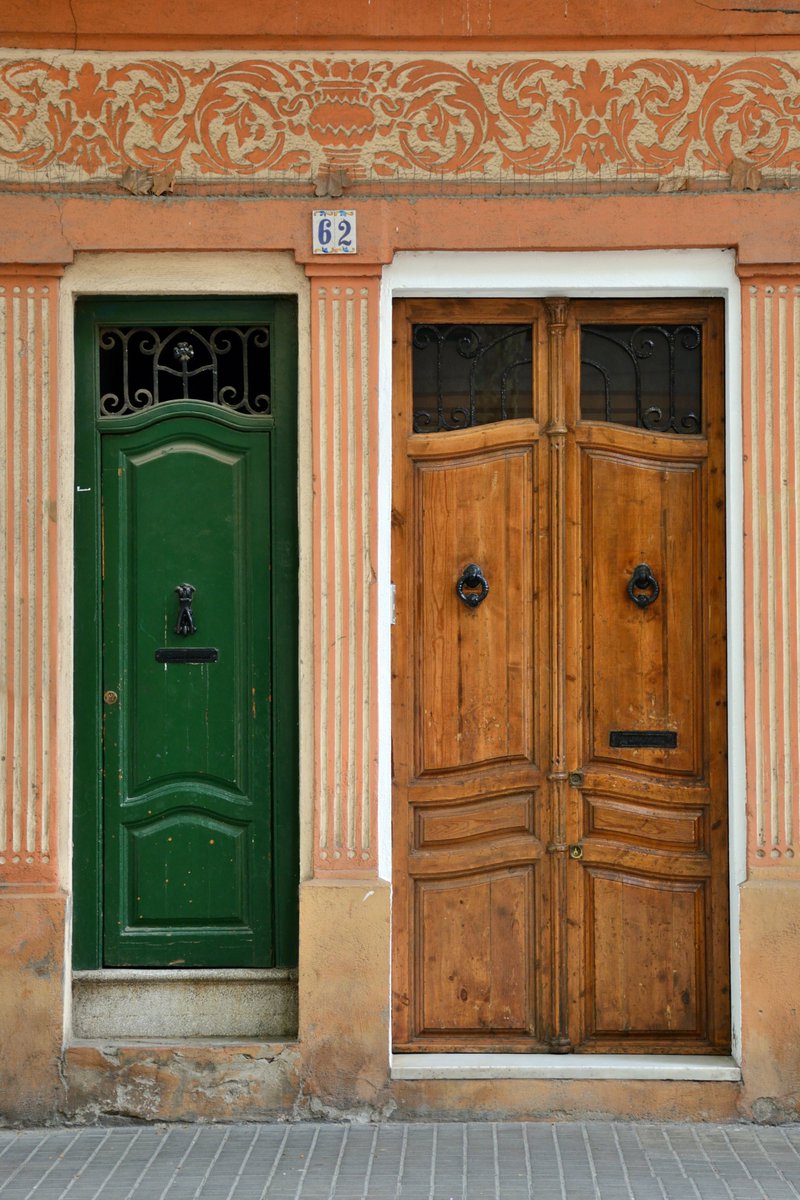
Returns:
(186,754)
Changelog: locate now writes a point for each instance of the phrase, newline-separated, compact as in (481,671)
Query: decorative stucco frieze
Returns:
(70,118)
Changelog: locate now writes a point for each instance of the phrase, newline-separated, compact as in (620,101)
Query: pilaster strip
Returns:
(771,379)
(28,602)
(344,434)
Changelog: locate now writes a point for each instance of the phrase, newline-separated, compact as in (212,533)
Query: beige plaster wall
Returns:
(31,1006)
(344,999)
(189,1081)
(771,999)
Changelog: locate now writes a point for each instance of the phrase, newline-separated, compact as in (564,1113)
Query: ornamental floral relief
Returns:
(73,118)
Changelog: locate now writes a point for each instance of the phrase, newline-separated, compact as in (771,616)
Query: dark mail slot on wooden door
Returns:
(643,739)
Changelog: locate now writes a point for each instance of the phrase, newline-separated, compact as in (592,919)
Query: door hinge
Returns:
(393,587)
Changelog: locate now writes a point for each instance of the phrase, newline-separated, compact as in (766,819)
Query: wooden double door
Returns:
(559,709)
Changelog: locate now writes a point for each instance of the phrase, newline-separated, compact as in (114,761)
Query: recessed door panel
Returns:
(452,824)
(475,655)
(475,970)
(645,946)
(180,499)
(644,653)
(635,820)
(187,869)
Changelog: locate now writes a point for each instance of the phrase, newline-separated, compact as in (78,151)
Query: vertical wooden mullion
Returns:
(577,589)
(556,432)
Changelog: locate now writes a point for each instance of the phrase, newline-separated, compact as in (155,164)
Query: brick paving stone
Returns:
(415,1161)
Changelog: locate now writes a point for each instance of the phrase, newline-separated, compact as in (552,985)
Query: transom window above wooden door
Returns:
(559,721)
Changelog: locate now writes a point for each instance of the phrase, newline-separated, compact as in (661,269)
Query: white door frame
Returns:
(599,274)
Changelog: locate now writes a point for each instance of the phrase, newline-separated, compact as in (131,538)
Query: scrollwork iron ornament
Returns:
(655,355)
(643,587)
(489,366)
(142,367)
(472,587)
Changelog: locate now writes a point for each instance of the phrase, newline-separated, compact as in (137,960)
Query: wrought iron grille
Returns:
(144,366)
(649,376)
(466,375)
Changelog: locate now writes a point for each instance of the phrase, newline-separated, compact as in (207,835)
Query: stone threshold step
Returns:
(132,1004)
(706,1067)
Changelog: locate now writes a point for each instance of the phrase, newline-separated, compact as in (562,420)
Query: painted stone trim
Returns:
(71,118)
(28,595)
(344,315)
(771,417)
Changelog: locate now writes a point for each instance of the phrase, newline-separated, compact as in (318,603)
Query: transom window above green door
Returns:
(140,367)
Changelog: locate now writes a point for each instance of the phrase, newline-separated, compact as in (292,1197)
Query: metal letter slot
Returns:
(195,654)
(643,739)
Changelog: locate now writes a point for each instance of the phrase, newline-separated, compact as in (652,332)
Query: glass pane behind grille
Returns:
(144,366)
(467,375)
(649,376)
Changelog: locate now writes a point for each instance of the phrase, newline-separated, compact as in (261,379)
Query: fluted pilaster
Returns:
(771,418)
(28,592)
(344,307)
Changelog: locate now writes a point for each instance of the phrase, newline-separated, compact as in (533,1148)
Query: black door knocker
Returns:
(472,578)
(643,586)
(185,624)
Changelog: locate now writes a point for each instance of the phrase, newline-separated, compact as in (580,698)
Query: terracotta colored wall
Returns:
(770,925)
(671,121)
(181,24)
(31,1005)
(32,909)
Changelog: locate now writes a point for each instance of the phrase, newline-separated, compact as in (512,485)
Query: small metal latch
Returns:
(575,779)
(110,697)
(576,850)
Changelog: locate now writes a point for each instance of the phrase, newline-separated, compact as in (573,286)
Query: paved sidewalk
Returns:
(491,1161)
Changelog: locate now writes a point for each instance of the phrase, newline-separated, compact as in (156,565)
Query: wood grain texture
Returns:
(610,932)
(471,732)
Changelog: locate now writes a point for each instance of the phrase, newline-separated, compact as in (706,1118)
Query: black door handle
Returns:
(472,588)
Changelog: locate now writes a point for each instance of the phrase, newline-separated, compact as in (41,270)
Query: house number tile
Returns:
(333,231)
